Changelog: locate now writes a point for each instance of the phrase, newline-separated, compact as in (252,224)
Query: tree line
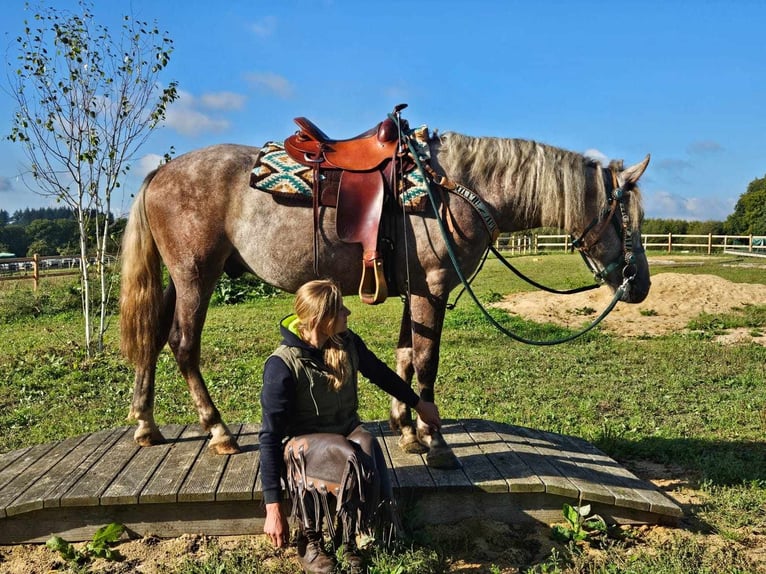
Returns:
(50,231)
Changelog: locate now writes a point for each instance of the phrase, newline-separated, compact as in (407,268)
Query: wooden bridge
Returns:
(509,473)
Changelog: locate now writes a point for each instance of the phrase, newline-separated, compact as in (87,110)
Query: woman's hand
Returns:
(276,525)
(429,414)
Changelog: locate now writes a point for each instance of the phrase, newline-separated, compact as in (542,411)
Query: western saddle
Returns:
(366,164)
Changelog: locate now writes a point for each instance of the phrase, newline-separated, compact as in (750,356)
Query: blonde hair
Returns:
(317,305)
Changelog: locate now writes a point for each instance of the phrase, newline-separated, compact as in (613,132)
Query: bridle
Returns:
(616,197)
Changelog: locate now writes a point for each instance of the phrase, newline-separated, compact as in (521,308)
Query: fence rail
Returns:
(530,243)
(39,266)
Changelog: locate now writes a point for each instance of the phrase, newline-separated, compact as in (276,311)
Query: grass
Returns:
(679,400)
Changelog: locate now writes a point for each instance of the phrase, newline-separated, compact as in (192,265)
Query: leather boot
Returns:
(312,555)
(352,558)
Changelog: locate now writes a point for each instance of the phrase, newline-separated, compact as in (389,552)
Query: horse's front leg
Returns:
(426,321)
(400,419)
(185,342)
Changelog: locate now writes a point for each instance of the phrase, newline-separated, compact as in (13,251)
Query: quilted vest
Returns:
(318,408)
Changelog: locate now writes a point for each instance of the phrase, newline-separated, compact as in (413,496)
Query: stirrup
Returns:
(372,288)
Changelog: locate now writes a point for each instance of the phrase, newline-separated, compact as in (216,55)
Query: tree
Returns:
(749,215)
(86,101)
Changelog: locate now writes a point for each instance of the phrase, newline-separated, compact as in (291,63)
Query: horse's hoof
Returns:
(152,439)
(442,458)
(225,446)
(410,444)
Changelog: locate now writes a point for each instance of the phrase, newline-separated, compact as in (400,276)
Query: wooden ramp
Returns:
(509,473)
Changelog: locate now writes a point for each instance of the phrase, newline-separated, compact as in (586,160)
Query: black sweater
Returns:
(278,398)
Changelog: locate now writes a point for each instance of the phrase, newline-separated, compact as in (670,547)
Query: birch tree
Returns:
(87,99)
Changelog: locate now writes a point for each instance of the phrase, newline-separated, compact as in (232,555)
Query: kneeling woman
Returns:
(312,434)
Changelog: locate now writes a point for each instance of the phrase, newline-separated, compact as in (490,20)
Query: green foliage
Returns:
(98,547)
(749,215)
(230,291)
(580,525)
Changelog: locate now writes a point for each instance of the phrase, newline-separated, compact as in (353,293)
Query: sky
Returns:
(684,81)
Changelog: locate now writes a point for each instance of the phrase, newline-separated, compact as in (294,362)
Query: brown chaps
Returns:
(349,469)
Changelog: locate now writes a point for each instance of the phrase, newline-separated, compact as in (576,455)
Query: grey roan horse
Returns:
(199,215)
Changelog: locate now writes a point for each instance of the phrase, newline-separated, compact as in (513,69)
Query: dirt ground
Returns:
(674,299)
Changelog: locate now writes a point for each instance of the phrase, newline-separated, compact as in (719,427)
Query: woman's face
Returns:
(340,325)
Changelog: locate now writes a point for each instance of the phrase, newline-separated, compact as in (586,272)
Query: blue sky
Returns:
(682,80)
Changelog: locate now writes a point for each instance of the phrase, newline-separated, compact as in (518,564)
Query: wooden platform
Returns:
(509,473)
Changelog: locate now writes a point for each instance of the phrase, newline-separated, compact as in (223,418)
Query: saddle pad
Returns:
(413,194)
(278,173)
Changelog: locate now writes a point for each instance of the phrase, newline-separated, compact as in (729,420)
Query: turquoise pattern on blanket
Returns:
(276,172)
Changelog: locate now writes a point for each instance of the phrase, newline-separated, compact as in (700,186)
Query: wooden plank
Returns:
(636,491)
(203,477)
(23,493)
(549,475)
(559,455)
(238,480)
(126,487)
(168,478)
(22,462)
(517,474)
(462,446)
(77,524)
(375,428)
(88,490)
(7,458)
(65,474)
(410,469)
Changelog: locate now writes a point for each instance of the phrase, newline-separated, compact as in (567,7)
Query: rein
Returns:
(491,226)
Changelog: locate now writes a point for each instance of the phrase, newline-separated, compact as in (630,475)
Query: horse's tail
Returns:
(141,287)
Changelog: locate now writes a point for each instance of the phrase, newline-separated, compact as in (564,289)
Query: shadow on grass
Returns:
(716,462)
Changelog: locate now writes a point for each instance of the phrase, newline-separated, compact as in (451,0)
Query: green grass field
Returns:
(680,400)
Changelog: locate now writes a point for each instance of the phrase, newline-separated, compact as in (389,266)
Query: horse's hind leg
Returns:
(142,407)
(185,342)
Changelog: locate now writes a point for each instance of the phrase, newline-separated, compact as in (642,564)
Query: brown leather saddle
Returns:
(366,167)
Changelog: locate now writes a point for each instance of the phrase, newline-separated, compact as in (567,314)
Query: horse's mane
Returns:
(547,183)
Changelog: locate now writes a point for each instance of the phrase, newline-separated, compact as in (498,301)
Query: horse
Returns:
(199,215)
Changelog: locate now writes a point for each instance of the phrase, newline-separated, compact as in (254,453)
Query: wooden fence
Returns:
(36,267)
(531,243)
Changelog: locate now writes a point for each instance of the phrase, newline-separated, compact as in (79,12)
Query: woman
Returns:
(309,396)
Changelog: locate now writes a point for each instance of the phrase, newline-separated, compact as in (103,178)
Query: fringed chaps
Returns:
(351,469)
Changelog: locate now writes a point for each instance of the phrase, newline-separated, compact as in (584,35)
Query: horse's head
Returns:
(610,242)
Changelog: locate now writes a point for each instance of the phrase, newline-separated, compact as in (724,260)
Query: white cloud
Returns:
(147,163)
(223,101)
(184,117)
(264,27)
(704,147)
(271,83)
(665,205)
(597,155)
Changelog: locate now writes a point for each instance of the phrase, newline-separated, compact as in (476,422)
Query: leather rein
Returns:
(616,197)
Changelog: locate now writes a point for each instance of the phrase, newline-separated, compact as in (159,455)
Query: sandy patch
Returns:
(674,300)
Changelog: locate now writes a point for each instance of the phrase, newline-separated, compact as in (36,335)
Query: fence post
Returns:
(36,270)
(709,243)
(670,243)
(535,240)
(750,243)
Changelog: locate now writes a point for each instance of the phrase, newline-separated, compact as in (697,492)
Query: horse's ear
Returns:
(634,172)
